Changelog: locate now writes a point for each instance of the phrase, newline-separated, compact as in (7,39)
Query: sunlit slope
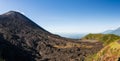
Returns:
(104,38)
(109,53)
(111,50)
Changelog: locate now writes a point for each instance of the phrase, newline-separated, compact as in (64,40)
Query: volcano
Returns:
(23,40)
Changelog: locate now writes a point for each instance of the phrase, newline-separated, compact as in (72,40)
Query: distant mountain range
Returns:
(107,32)
(116,31)
(72,35)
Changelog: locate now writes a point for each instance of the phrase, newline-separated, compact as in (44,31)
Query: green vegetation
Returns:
(90,57)
(93,37)
(111,51)
(105,38)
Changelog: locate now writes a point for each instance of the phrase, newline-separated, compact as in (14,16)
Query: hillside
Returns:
(109,53)
(111,50)
(23,40)
(104,38)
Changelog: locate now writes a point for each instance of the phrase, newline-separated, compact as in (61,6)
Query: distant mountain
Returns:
(107,32)
(116,32)
(23,40)
(73,35)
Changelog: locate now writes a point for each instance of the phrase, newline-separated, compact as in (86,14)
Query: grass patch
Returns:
(109,53)
(104,38)
(71,45)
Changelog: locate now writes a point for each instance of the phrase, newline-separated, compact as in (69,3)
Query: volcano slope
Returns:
(23,40)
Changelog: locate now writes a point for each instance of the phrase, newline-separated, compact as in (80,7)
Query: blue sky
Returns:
(68,16)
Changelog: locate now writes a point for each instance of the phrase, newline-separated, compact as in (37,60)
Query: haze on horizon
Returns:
(68,16)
